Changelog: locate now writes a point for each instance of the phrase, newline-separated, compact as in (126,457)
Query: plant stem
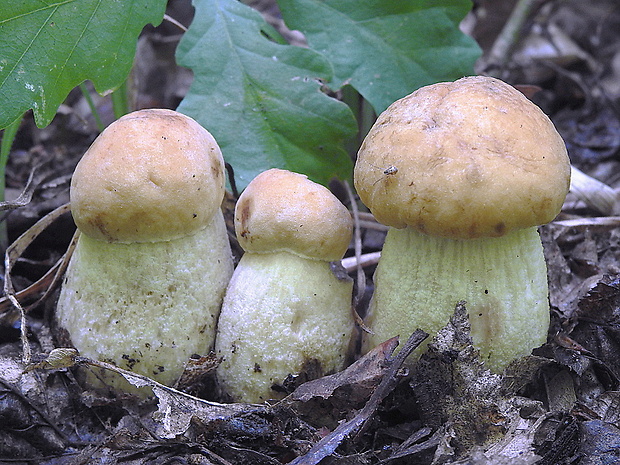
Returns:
(5,148)
(364,114)
(91,105)
(119,101)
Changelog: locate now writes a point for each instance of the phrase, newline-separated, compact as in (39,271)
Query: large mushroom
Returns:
(285,311)
(463,172)
(145,284)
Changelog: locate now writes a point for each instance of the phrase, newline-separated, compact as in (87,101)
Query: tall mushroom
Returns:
(463,173)
(284,309)
(144,287)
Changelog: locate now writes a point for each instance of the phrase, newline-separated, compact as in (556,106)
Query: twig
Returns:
(17,392)
(367,259)
(67,358)
(44,286)
(171,20)
(603,222)
(357,244)
(356,425)
(511,32)
(24,197)
(13,252)
(368,221)
(410,448)
(373,225)
(594,193)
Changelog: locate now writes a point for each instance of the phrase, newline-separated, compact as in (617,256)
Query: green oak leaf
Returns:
(49,47)
(386,49)
(261,100)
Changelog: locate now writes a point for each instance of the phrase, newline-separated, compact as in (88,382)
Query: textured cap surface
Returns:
(465,159)
(152,175)
(284,211)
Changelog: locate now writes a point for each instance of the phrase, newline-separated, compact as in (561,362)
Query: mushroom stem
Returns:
(109,286)
(502,279)
(298,301)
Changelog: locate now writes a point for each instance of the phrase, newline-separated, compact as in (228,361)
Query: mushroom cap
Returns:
(152,175)
(464,159)
(284,211)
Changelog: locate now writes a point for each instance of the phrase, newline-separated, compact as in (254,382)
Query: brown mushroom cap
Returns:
(150,176)
(464,159)
(284,211)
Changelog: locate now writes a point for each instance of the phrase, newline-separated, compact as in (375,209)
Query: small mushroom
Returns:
(145,284)
(285,311)
(479,166)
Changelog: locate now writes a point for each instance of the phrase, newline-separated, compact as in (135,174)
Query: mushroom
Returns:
(285,311)
(145,284)
(463,173)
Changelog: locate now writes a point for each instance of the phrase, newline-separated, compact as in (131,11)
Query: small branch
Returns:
(12,254)
(602,222)
(368,259)
(24,197)
(357,241)
(593,192)
(356,426)
(511,33)
(171,20)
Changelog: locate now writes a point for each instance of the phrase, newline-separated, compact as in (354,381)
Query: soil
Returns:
(559,406)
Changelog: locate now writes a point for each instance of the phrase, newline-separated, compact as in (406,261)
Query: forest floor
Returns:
(560,406)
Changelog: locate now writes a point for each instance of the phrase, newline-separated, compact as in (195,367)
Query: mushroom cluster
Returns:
(145,284)
(285,311)
(463,173)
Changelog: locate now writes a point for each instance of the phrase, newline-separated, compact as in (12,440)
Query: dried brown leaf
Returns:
(355,384)
(326,446)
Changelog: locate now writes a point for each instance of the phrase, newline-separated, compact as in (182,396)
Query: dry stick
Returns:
(64,357)
(367,259)
(171,20)
(212,455)
(367,216)
(37,287)
(367,220)
(356,425)
(594,193)
(61,267)
(508,37)
(602,222)
(357,240)
(67,358)
(12,254)
(24,197)
(45,285)
(413,448)
(26,401)
(373,225)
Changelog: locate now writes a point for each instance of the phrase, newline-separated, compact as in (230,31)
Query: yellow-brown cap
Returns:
(152,175)
(284,211)
(464,159)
